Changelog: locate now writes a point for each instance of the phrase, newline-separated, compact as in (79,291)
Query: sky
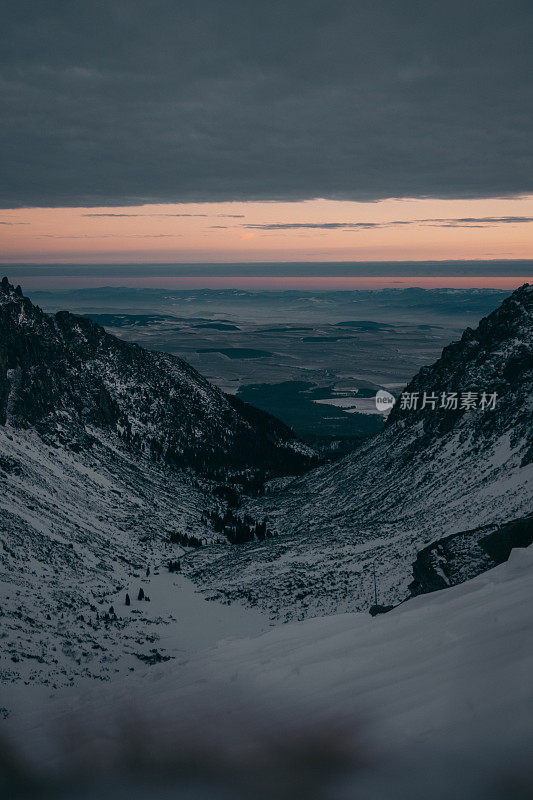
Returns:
(313,230)
(266,131)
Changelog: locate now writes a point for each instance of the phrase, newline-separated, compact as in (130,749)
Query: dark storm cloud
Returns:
(131,102)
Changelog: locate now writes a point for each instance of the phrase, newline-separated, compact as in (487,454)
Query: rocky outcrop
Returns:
(461,556)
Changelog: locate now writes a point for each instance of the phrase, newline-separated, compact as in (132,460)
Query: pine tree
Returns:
(141,594)
(128,601)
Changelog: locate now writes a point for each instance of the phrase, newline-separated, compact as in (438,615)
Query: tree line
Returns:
(239,530)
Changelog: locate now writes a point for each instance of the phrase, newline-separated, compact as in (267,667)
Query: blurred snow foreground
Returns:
(433,700)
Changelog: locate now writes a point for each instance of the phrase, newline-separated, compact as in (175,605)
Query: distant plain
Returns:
(315,359)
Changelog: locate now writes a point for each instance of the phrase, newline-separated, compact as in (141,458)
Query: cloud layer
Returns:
(130,102)
(458,222)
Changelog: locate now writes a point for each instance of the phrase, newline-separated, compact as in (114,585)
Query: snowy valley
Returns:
(120,592)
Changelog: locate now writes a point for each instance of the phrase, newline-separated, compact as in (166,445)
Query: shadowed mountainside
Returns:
(65,375)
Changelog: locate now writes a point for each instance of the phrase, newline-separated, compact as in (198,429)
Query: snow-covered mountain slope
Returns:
(77,532)
(106,452)
(430,473)
(431,700)
(61,374)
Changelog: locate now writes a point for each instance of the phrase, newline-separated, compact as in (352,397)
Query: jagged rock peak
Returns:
(8,291)
(497,356)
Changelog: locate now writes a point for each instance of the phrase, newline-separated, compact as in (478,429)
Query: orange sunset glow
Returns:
(313,230)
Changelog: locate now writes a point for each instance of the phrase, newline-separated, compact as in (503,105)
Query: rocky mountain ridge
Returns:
(64,376)
(432,472)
